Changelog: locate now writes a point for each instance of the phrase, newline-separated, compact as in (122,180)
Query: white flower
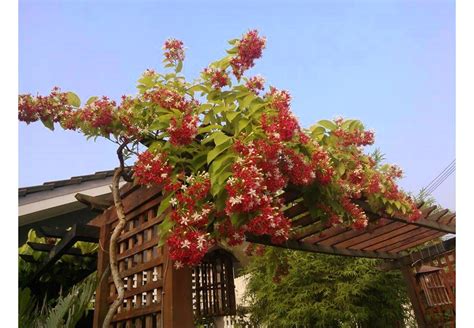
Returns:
(186,244)
(178,264)
(173,201)
(164,175)
(235,200)
(196,216)
(231,180)
(185,220)
(280,232)
(252,193)
(148,167)
(189,179)
(236,235)
(184,187)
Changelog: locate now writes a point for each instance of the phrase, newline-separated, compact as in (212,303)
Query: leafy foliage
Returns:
(67,271)
(323,291)
(65,311)
(238,147)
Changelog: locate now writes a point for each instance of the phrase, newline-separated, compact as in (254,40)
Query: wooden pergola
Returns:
(386,237)
(396,240)
(159,295)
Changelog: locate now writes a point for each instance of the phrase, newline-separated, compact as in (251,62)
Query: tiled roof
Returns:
(62,183)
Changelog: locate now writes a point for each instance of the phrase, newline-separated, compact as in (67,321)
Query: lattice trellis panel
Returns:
(142,265)
(213,286)
(436,292)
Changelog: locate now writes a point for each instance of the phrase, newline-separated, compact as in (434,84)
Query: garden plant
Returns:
(225,147)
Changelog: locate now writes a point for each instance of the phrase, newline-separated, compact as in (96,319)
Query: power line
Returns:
(440,178)
(453,163)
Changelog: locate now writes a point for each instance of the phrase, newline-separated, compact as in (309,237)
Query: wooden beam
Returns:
(409,277)
(48,247)
(83,233)
(425,254)
(316,248)
(77,232)
(424,223)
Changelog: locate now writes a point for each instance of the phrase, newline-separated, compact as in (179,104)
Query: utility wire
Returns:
(442,172)
(440,178)
(434,187)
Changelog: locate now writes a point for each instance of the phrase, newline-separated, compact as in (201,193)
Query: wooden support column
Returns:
(413,295)
(102,290)
(177,308)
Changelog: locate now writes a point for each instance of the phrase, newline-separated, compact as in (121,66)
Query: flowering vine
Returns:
(225,154)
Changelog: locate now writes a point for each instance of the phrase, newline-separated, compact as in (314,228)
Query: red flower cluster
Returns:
(356,137)
(255,84)
(188,247)
(284,125)
(218,78)
(234,235)
(354,211)
(99,113)
(174,50)
(169,99)
(189,241)
(321,163)
(152,169)
(249,48)
(270,221)
(374,185)
(253,189)
(299,171)
(51,107)
(183,132)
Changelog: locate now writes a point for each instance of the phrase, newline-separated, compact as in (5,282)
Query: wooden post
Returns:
(177,309)
(102,291)
(414,297)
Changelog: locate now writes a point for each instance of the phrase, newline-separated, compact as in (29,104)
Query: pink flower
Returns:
(174,50)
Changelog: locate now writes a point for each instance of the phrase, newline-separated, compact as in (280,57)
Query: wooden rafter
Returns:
(76,233)
(317,248)
(425,254)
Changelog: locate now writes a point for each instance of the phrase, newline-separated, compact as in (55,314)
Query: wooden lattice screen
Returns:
(153,286)
(213,286)
(435,292)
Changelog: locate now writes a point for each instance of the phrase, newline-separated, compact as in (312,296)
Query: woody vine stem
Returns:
(119,172)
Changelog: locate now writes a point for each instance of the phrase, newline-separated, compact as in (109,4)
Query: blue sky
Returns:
(390,64)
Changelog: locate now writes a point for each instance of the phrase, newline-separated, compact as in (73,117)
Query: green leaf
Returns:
(91,100)
(73,99)
(209,128)
(341,168)
(242,124)
(49,124)
(231,115)
(217,150)
(165,204)
(199,87)
(328,124)
(255,106)
(220,138)
(164,230)
(247,100)
(179,67)
(199,161)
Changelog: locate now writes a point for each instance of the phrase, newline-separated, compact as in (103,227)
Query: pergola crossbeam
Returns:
(427,253)
(316,248)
